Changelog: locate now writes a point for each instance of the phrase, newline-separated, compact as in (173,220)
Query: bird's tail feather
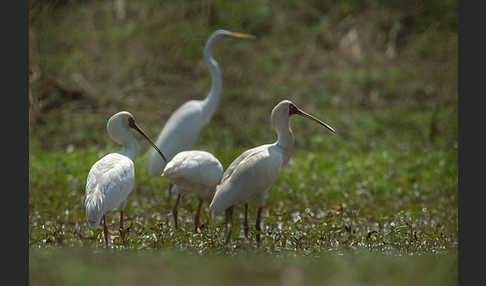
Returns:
(93,203)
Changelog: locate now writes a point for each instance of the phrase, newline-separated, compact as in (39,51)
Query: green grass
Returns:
(374,204)
(383,201)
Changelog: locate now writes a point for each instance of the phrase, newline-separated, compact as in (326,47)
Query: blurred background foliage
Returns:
(372,69)
(382,73)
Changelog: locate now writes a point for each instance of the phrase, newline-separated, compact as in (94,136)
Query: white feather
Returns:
(252,173)
(112,178)
(183,127)
(179,133)
(194,171)
(109,182)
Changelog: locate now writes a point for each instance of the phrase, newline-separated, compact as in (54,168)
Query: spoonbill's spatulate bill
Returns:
(182,128)
(112,178)
(252,173)
(193,171)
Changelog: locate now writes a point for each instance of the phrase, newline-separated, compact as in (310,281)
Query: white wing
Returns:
(231,168)
(193,169)
(179,134)
(251,174)
(114,177)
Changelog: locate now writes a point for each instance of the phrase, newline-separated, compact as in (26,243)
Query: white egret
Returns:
(112,178)
(183,126)
(252,173)
(191,171)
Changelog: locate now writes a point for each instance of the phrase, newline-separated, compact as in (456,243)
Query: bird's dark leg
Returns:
(257,225)
(174,210)
(122,234)
(169,194)
(196,218)
(226,217)
(245,223)
(209,217)
(105,231)
(229,215)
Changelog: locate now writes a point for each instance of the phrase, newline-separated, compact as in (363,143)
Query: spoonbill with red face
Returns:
(252,173)
(112,178)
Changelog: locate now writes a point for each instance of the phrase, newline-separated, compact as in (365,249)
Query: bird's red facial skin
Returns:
(131,122)
(293,109)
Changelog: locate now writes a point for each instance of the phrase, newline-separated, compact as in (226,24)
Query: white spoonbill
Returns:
(191,171)
(183,126)
(252,173)
(112,178)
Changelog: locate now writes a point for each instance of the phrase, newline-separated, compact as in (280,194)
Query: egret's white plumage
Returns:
(112,178)
(252,173)
(182,128)
(193,171)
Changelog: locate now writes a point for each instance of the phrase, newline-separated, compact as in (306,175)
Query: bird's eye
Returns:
(131,122)
(293,109)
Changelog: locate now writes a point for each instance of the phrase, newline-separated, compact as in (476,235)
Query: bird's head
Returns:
(286,108)
(225,34)
(124,120)
(222,34)
(118,122)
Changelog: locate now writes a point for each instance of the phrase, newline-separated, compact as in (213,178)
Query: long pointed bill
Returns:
(241,35)
(150,141)
(303,113)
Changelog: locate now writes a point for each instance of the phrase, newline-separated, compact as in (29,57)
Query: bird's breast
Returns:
(252,176)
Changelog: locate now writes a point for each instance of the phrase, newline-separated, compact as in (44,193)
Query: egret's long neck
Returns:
(285,137)
(130,145)
(212,100)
